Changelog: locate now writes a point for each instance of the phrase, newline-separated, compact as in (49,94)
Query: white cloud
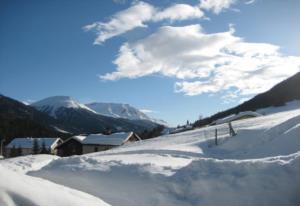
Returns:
(123,21)
(179,12)
(216,5)
(204,63)
(141,13)
(137,15)
(244,100)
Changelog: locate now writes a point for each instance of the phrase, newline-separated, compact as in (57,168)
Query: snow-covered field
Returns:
(259,166)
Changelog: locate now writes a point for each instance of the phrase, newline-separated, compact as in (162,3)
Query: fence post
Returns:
(216,136)
(231,130)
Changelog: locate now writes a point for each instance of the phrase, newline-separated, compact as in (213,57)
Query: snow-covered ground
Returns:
(259,166)
(24,164)
(22,190)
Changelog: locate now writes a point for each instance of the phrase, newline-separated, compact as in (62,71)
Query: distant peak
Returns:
(55,102)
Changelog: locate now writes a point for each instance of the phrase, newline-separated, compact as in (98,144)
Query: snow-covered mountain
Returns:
(78,118)
(118,110)
(51,105)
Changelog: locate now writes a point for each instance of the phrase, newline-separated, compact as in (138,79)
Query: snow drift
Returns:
(22,190)
(258,166)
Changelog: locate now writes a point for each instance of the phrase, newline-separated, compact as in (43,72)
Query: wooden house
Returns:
(78,145)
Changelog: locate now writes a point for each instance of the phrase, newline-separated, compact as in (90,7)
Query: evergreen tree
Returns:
(35,146)
(44,150)
(155,132)
(187,123)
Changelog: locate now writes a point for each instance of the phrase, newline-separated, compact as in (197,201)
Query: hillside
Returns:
(258,166)
(19,120)
(285,91)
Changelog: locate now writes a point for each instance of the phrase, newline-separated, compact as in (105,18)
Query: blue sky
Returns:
(45,51)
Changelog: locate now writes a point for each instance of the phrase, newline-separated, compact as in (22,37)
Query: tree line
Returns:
(36,149)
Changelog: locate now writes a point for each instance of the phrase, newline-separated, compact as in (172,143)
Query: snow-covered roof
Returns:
(112,139)
(237,116)
(79,138)
(27,142)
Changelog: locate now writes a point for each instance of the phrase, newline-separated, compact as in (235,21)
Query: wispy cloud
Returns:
(250,2)
(140,13)
(178,12)
(216,6)
(204,63)
(137,15)
(121,22)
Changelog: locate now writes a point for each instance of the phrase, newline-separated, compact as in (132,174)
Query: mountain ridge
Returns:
(20,120)
(121,110)
(278,95)
(82,119)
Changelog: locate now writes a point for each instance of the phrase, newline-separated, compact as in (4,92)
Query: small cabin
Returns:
(78,145)
(71,146)
(24,146)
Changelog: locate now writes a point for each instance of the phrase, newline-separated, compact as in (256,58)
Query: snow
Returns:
(18,189)
(115,139)
(292,105)
(258,166)
(52,104)
(79,138)
(112,139)
(118,110)
(27,142)
(28,163)
(237,116)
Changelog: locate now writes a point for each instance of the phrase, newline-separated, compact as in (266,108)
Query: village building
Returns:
(78,145)
(24,146)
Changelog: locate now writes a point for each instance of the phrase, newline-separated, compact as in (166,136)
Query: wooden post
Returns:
(231,130)
(216,136)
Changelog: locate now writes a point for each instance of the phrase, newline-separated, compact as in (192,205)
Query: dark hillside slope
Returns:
(20,120)
(285,91)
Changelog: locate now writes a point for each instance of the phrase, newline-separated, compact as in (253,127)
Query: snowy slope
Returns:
(259,166)
(24,164)
(22,190)
(50,105)
(121,111)
(292,105)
